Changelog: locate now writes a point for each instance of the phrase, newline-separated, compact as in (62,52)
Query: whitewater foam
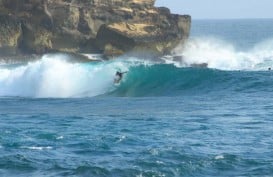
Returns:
(54,76)
(38,148)
(220,54)
(219,157)
(59,138)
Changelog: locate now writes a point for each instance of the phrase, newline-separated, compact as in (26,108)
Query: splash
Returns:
(54,76)
(222,55)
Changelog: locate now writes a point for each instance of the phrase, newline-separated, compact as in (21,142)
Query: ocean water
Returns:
(165,119)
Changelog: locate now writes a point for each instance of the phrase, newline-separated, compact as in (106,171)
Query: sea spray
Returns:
(220,54)
(54,76)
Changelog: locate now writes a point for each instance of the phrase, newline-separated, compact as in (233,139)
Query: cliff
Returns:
(112,27)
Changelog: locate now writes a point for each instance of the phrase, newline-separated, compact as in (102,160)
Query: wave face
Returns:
(169,80)
(166,80)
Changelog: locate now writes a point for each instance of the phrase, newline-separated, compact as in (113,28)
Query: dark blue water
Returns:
(69,119)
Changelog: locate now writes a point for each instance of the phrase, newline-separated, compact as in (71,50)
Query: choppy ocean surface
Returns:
(61,118)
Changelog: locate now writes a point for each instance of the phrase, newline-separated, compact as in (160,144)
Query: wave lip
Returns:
(55,76)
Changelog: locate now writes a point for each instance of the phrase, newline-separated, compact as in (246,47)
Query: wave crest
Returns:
(54,76)
(223,55)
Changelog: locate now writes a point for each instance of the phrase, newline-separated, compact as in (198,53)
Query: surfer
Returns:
(119,76)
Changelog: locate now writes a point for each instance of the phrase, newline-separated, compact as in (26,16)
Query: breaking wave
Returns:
(222,55)
(54,76)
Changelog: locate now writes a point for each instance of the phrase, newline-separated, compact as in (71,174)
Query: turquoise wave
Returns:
(56,77)
(169,80)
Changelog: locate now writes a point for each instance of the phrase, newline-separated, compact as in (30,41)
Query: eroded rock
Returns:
(112,27)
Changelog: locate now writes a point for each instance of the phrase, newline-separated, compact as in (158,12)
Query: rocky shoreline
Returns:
(110,27)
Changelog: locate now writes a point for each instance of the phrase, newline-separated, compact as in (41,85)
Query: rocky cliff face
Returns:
(112,27)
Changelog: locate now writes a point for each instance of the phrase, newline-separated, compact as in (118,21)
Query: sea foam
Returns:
(55,76)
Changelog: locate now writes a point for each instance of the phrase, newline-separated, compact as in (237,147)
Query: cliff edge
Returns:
(111,27)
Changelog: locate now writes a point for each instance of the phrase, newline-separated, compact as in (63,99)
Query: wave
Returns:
(220,54)
(167,80)
(55,76)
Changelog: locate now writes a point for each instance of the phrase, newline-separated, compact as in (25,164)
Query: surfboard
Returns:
(117,80)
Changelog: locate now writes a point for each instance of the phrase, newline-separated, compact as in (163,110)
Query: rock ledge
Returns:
(111,27)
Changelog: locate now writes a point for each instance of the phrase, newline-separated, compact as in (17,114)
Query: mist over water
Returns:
(230,44)
(219,54)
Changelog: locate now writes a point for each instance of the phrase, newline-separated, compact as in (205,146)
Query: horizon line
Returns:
(248,18)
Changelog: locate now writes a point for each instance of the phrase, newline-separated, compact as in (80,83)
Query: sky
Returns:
(220,9)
